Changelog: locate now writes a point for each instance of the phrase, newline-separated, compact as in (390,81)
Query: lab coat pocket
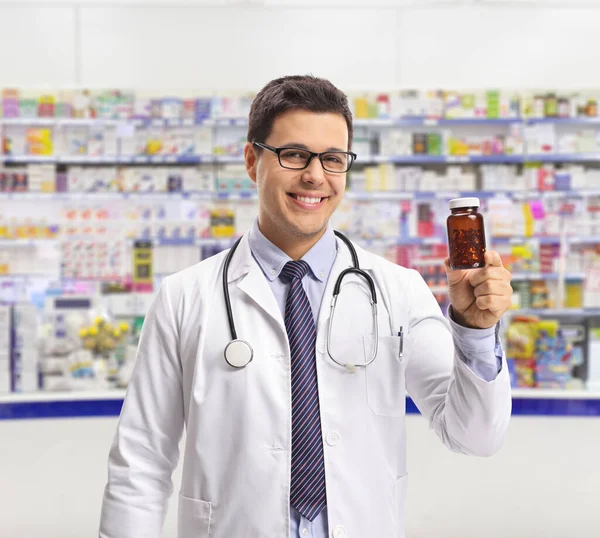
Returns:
(385,377)
(194,518)
(400,502)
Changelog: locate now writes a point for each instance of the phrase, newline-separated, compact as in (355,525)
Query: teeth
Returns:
(307,200)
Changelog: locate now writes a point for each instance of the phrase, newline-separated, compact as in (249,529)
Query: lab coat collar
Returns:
(253,282)
(243,261)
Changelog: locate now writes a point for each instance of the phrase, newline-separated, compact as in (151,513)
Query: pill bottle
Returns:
(466,234)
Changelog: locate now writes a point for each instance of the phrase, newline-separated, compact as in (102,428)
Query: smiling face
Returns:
(296,205)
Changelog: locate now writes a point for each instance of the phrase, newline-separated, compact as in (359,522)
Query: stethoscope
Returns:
(239,353)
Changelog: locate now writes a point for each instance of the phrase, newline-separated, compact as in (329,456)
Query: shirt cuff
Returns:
(474,340)
(479,349)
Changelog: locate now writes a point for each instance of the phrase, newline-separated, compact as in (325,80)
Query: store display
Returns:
(545,353)
(136,187)
(83,346)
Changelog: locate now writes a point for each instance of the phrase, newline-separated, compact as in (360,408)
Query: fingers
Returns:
(494,303)
(490,272)
(493,287)
(493,258)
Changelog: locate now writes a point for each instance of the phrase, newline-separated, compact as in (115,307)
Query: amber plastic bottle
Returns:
(466,234)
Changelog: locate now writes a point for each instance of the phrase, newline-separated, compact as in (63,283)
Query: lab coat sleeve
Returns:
(476,344)
(145,449)
(469,414)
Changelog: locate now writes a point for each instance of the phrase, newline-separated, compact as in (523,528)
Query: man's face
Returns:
(297,204)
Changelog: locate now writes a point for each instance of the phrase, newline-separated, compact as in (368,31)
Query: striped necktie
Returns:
(307,492)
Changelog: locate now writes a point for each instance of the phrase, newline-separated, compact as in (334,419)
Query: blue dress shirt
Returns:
(320,258)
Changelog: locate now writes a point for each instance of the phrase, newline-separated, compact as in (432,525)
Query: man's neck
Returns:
(294,247)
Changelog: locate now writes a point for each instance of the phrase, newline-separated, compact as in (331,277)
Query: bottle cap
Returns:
(463,202)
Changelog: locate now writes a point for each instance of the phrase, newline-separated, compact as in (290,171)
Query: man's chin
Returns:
(306,231)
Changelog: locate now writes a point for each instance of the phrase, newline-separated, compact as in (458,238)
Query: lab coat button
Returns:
(304,532)
(339,532)
(333,438)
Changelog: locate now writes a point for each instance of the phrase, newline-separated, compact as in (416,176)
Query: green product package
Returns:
(434,143)
(493,104)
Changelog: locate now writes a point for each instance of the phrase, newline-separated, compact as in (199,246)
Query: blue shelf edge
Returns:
(60,409)
(361,161)
(242,121)
(576,407)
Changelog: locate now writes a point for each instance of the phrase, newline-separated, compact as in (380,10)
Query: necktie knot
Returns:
(295,270)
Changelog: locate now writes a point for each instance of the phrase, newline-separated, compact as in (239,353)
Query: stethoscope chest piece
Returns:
(238,353)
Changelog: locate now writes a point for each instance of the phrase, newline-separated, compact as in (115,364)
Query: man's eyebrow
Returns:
(304,146)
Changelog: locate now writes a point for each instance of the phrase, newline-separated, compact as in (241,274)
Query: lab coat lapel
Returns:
(252,281)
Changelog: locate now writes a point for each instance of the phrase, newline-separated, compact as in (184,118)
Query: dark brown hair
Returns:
(303,92)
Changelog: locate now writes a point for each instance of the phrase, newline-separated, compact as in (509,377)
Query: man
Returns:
(293,444)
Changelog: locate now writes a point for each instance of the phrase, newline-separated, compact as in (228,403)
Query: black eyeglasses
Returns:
(292,158)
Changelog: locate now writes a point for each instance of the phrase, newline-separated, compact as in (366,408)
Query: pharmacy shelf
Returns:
(53,122)
(138,122)
(555,394)
(149,195)
(414,160)
(405,122)
(40,405)
(584,240)
(227,242)
(563,121)
(516,240)
(440,159)
(547,276)
(26,243)
(563,158)
(112,160)
(546,239)
(367,242)
(433,122)
(46,405)
(252,194)
(30,275)
(62,396)
(563,312)
(224,242)
(243,122)
(407,195)
(377,242)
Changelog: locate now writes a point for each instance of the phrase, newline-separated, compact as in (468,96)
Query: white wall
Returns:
(542,484)
(241,44)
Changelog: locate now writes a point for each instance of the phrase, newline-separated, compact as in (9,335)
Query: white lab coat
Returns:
(236,473)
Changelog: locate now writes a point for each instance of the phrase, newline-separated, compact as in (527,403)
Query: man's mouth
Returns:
(306,199)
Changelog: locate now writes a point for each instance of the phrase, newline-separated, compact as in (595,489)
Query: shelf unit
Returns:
(409,160)
(376,123)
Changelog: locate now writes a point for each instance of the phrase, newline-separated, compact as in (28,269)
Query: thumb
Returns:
(454,275)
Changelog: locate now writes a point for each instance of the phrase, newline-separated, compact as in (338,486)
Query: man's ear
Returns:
(251,161)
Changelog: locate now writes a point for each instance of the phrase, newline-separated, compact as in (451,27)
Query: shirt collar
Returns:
(271,259)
